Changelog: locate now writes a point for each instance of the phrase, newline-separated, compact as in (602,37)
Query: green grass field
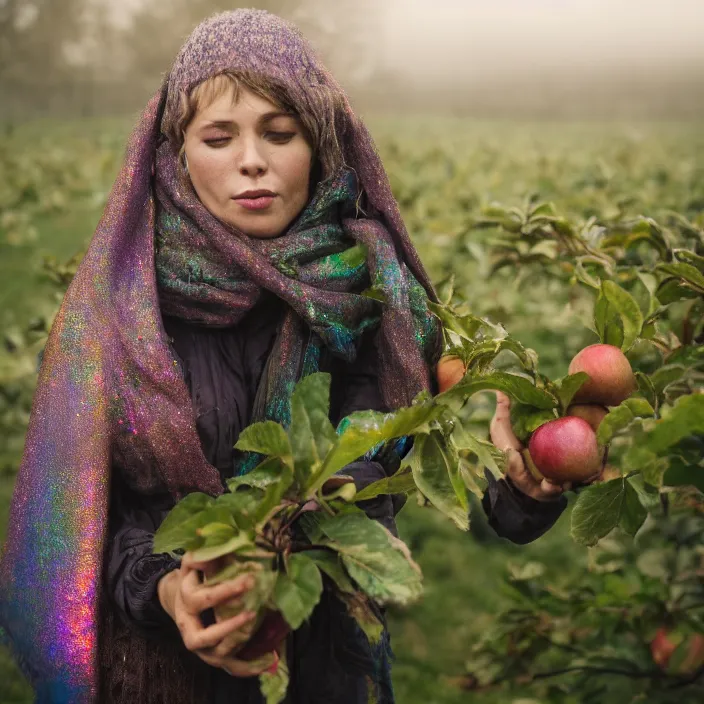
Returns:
(442,171)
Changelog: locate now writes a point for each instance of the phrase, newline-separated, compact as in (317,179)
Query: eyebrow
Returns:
(266,117)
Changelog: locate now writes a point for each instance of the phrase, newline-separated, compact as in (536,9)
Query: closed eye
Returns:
(217,142)
(280,137)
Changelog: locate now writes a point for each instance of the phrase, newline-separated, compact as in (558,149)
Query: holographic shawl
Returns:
(110,392)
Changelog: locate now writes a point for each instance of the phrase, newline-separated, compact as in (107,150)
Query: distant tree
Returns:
(34,36)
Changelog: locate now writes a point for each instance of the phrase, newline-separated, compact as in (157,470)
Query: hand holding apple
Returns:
(505,439)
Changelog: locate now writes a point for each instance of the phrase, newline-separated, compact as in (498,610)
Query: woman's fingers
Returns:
(195,637)
(235,638)
(554,491)
(198,597)
(500,429)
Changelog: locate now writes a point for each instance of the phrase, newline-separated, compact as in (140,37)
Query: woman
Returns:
(226,266)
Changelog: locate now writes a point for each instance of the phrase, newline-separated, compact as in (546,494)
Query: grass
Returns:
(453,167)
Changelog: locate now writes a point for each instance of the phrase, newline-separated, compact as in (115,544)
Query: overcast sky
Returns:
(431,36)
(434,37)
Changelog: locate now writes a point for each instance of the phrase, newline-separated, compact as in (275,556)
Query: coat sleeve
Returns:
(514,515)
(131,571)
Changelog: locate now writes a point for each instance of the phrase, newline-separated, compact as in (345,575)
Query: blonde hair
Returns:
(319,130)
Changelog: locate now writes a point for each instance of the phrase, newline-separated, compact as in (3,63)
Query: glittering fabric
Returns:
(319,266)
(109,388)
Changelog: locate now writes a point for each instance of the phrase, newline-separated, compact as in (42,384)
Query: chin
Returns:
(259,230)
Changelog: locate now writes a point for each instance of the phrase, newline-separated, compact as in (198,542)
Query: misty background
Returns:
(505,58)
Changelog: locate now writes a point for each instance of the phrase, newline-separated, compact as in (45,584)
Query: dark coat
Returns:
(222,369)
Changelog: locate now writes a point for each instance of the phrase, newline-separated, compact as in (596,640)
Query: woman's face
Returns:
(251,145)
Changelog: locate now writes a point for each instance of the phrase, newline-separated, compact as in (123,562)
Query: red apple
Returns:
(695,655)
(661,648)
(565,450)
(611,377)
(449,371)
(591,412)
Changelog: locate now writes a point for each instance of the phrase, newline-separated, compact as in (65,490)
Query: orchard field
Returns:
(561,235)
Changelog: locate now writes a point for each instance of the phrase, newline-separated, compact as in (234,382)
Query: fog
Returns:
(429,38)
(536,58)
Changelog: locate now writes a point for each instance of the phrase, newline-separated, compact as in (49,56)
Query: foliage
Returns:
(634,196)
(601,630)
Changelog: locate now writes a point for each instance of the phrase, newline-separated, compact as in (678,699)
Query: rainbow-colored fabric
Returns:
(109,386)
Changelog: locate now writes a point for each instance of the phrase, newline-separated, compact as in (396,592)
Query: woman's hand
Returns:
(505,439)
(184,598)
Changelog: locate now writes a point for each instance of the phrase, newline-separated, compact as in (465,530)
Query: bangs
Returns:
(206,93)
(318,125)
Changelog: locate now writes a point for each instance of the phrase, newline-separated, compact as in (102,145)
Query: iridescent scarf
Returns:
(110,393)
(321,267)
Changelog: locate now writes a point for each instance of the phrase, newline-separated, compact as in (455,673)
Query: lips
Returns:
(259,199)
(260,203)
(257,193)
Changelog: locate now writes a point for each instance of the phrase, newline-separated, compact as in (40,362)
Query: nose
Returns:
(252,159)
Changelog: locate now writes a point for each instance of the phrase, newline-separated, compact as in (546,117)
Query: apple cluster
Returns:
(566,449)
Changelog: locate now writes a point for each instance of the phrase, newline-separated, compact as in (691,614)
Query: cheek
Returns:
(209,169)
(295,170)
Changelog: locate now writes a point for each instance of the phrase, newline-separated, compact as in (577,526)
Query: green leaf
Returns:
(273,686)
(379,563)
(672,290)
(311,434)
(542,210)
(633,513)
(640,459)
(621,417)
(329,562)
(180,525)
(210,551)
(362,431)
(517,387)
(261,477)
(680,474)
(273,495)
(242,505)
(401,482)
(646,388)
(479,356)
(597,511)
(627,309)
(688,274)
(525,419)
(432,467)
(685,418)
(568,386)
(666,375)
(465,326)
(684,255)
(268,438)
(606,321)
(487,453)
(446,290)
(362,611)
(297,591)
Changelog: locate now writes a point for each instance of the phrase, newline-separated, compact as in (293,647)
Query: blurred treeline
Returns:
(92,57)
(66,58)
